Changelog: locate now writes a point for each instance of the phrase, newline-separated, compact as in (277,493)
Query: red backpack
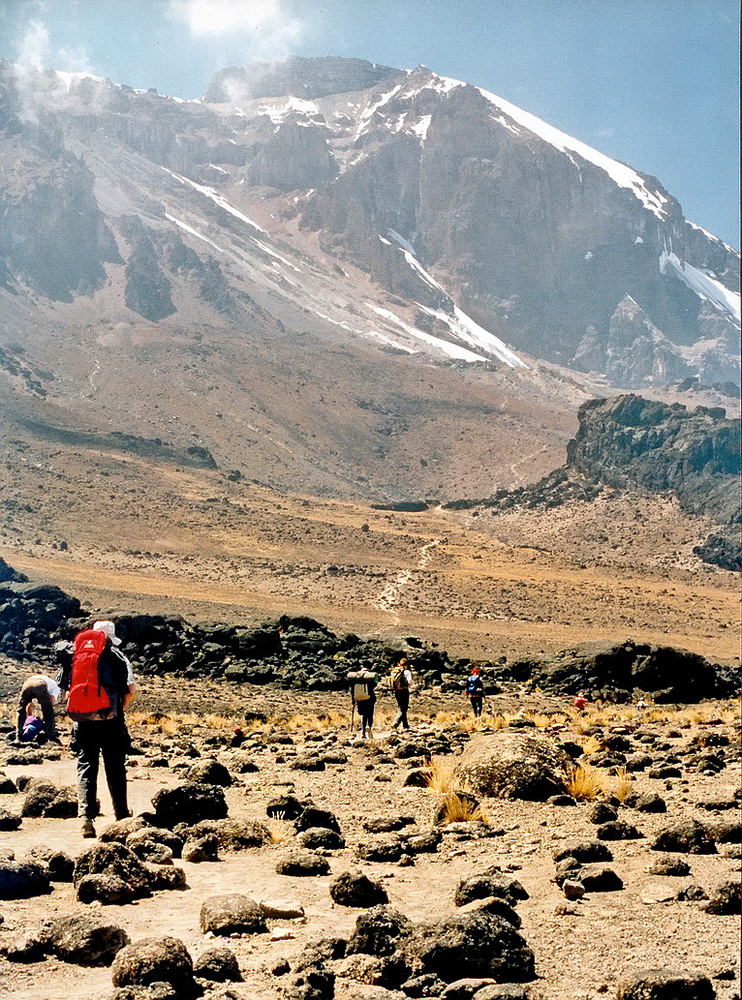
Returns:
(87,698)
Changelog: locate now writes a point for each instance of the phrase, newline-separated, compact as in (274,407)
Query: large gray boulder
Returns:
(514,765)
(233,913)
(84,939)
(155,960)
(665,984)
(476,944)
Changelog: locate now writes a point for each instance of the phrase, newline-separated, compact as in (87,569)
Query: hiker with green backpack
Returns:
(363,697)
(400,680)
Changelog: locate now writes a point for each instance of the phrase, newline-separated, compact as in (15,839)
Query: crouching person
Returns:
(100,684)
(44,691)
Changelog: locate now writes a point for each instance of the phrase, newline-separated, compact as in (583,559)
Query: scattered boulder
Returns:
(284,807)
(209,771)
(155,835)
(725,899)
(8,821)
(106,862)
(378,931)
(155,960)
(122,829)
(233,913)
(674,867)
(201,849)
(381,849)
(219,965)
(312,817)
(189,803)
(22,879)
(60,865)
(473,944)
(595,879)
(109,890)
(303,863)
(231,834)
(355,889)
(515,765)
(685,837)
(42,798)
(319,838)
(583,851)
(663,984)
(484,886)
(84,939)
(618,830)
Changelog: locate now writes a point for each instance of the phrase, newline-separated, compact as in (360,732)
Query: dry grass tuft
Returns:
(585,783)
(591,744)
(442,777)
(624,785)
(455,809)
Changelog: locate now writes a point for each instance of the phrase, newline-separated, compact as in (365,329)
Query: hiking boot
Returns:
(88,829)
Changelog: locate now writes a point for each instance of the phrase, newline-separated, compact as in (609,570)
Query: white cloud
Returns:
(267,27)
(39,89)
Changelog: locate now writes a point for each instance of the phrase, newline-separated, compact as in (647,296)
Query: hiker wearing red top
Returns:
(580,702)
(475,691)
(100,684)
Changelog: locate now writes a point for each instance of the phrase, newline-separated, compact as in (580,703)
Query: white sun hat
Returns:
(110,630)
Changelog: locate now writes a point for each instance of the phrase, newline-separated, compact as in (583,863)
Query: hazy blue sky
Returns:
(651,82)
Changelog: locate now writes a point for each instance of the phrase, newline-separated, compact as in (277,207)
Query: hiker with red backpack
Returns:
(100,684)
(400,680)
(475,691)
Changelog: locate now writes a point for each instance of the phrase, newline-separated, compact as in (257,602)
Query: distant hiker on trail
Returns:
(45,691)
(100,684)
(475,691)
(580,703)
(400,680)
(363,697)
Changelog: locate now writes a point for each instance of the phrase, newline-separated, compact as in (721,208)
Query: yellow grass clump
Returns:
(455,809)
(624,785)
(442,777)
(585,783)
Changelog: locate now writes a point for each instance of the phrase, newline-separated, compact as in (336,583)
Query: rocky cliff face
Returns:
(631,442)
(489,226)
(640,445)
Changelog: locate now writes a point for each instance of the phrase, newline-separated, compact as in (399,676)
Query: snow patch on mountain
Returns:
(465,328)
(702,284)
(216,198)
(194,232)
(452,350)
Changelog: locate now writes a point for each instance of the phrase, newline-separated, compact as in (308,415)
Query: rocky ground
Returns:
(648,900)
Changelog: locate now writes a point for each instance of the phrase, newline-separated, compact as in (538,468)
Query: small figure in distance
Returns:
(580,702)
(400,679)
(45,692)
(363,697)
(475,691)
(100,684)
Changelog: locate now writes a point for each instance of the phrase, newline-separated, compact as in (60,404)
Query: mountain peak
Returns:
(297,77)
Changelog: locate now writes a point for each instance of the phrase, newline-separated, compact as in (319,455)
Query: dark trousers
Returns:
(366,713)
(402,697)
(110,739)
(40,692)
(476,705)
